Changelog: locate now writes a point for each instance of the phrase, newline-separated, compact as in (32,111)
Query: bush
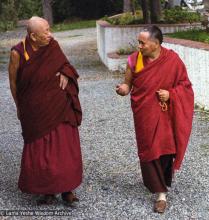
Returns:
(12,10)
(178,15)
(8,15)
(29,8)
(125,19)
(175,15)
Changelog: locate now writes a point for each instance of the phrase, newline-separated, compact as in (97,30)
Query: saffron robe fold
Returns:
(42,103)
(162,132)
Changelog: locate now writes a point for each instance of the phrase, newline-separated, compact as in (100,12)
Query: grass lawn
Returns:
(196,35)
(73,25)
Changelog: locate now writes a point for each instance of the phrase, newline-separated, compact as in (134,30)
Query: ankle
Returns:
(161,196)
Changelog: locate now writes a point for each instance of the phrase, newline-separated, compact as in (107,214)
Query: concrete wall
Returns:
(197,63)
(194,55)
(122,36)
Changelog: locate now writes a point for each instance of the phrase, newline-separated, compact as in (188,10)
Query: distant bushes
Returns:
(178,15)
(85,9)
(8,14)
(13,10)
(29,8)
(63,10)
(125,18)
(169,16)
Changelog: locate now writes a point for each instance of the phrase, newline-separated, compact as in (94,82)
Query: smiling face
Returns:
(147,45)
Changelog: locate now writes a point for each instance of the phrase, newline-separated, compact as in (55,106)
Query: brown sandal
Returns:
(160,206)
(47,200)
(69,198)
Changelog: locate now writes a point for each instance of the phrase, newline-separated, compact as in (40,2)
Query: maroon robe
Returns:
(42,104)
(51,161)
(162,132)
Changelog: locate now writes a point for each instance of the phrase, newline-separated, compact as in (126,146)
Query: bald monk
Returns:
(45,90)
(162,102)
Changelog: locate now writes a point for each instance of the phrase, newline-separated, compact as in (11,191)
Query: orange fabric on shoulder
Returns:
(139,63)
(25,52)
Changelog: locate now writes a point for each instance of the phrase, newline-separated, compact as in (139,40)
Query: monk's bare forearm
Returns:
(13,68)
(128,77)
(14,92)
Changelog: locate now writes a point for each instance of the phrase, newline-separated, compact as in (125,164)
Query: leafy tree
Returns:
(29,8)
(8,14)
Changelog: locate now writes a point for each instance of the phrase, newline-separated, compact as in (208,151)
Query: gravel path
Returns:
(112,185)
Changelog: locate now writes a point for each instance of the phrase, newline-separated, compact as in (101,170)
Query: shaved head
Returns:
(150,40)
(39,31)
(154,32)
(35,24)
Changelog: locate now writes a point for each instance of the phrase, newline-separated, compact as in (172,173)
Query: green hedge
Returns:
(178,15)
(125,19)
(170,16)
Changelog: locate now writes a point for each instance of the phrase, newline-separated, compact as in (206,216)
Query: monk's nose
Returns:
(49,34)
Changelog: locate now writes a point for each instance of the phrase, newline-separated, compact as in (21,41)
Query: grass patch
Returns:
(196,35)
(74,25)
(126,51)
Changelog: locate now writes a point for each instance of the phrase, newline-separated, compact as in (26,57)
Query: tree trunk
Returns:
(47,10)
(126,5)
(145,11)
(155,11)
(171,3)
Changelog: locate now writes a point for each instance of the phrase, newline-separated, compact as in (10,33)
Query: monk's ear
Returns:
(157,43)
(33,36)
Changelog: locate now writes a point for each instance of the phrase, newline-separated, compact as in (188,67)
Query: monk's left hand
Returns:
(63,80)
(163,95)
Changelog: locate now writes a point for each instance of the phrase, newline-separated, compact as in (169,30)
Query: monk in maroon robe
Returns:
(162,102)
(45,90)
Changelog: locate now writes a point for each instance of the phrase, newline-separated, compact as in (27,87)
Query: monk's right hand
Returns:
(122,89)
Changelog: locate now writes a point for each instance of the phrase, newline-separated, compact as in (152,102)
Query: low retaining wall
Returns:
(196,58)
(113,37)
(195,55)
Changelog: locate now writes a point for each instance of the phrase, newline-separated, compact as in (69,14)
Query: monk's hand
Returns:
(122,89)
(63,80)
(163,95)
